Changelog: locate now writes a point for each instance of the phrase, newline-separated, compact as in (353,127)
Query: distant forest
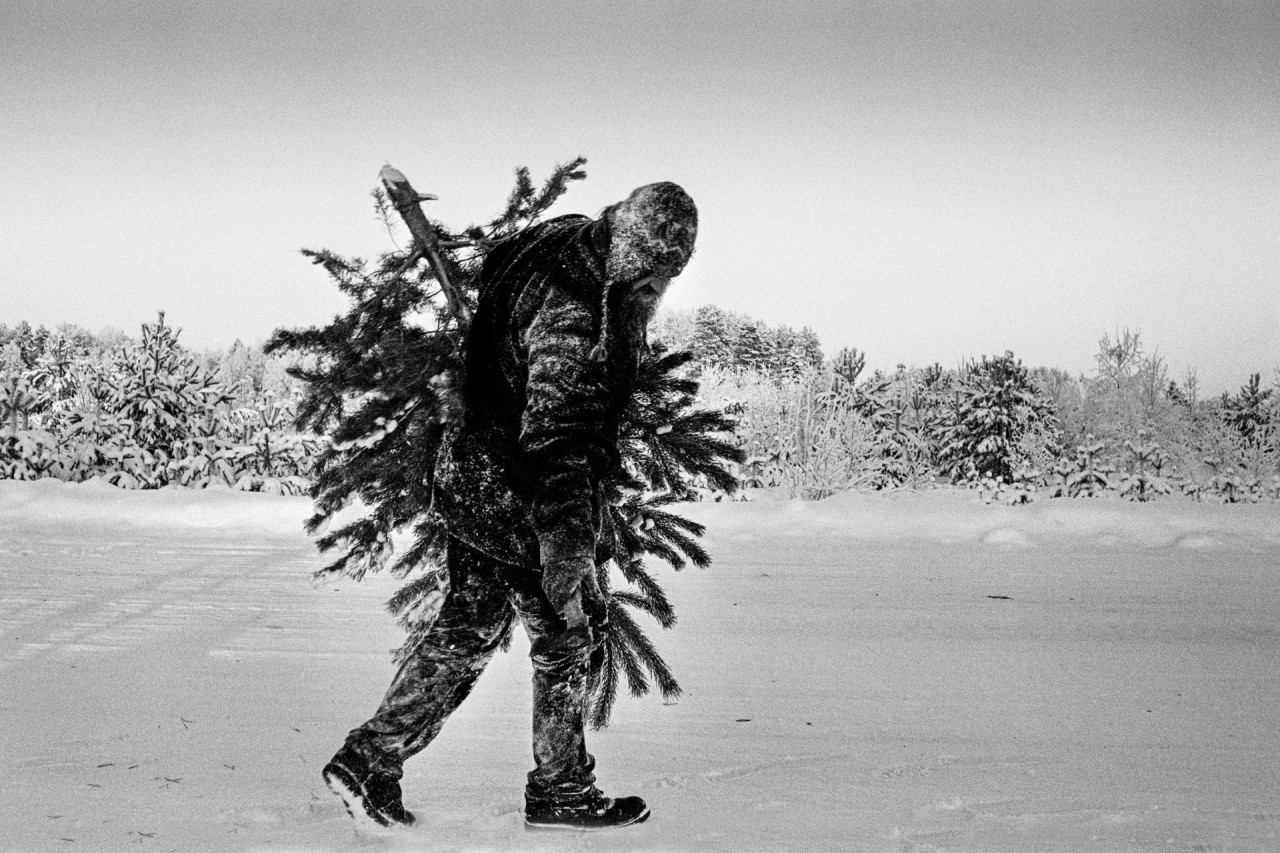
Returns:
(144,411)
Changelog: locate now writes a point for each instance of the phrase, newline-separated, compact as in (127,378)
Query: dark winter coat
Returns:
(520,478)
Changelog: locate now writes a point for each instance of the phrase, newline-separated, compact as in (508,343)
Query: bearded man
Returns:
(552,357)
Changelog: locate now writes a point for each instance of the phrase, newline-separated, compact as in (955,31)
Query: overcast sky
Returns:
(924,181)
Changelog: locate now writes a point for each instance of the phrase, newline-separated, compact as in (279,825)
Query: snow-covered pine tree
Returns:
(848,365)
(159,403)
(17,398)
(998,403)
(1227,483)
(53,377)
(1088,478)
(1143,480)
(39,341)
(21,453)
(779,343)
(750,352)
(29,342)
(810,347)
(1249,413)
(384,387)
(236,374)
(266,456)
(713,339)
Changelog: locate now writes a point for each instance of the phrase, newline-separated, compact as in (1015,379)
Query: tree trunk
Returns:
(407,203)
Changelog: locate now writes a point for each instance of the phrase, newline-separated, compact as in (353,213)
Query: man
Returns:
(551,360)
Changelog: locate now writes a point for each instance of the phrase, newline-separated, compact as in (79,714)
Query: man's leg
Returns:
(560,656)
(561,789)
(429,686)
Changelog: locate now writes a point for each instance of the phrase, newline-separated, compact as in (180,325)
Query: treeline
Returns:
(729,341)
(1011,431)
(146,412)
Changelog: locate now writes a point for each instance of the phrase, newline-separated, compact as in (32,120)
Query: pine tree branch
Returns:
(603,686)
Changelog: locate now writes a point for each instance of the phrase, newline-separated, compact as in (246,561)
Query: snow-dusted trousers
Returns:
(484,596)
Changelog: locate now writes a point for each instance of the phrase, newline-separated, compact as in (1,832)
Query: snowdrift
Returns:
(942,517)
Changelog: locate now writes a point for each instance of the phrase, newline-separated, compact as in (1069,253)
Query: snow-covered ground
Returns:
(883,673)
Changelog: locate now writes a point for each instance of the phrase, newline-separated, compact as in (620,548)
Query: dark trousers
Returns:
(484,596)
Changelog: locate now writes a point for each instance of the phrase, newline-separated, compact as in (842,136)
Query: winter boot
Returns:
(365,790)
(592,810)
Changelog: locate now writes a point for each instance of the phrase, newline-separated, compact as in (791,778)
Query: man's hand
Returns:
(574,592)
(594,602)
(573,614)
(561,580)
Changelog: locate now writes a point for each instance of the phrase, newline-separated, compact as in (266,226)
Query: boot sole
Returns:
(640,818)
(353,799)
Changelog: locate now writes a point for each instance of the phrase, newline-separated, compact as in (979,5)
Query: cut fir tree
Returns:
(383,380)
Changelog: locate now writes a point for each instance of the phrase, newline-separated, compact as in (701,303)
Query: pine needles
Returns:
(670,450)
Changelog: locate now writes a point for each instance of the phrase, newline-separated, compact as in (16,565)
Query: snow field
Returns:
(882,673)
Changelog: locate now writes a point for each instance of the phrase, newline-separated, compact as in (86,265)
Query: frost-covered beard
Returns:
(651,231)
(633,309)
(640,306)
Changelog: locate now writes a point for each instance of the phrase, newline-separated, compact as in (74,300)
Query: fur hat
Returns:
(651,232)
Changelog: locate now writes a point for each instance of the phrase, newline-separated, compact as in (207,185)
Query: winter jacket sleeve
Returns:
(562,441)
